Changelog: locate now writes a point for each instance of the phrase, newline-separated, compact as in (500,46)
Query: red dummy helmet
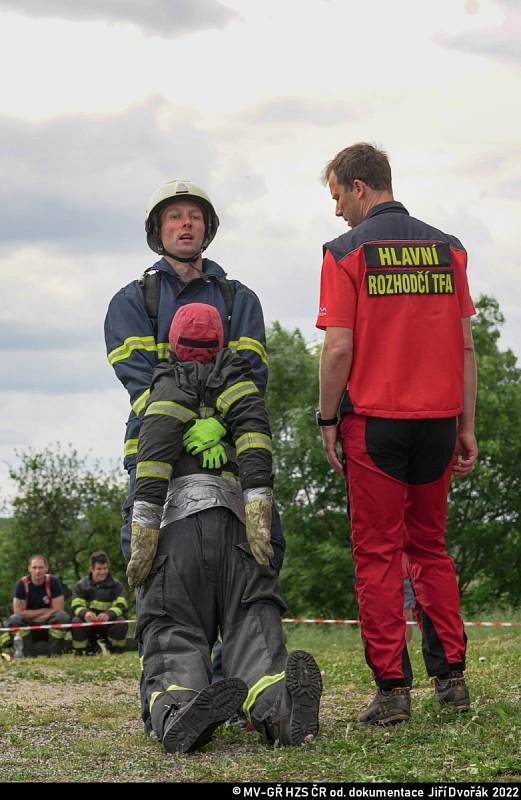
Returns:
(196,333)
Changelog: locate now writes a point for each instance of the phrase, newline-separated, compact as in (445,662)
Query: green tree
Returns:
(318,572)
(483,526)
(64,510)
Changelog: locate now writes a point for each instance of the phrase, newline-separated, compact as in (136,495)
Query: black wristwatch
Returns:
(322,423)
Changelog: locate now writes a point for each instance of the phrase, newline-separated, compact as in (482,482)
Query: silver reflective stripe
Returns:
(193,493)
(147,514)
(260,493)
(251,440)
(171,409)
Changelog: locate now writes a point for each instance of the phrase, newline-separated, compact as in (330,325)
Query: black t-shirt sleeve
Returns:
(56,587)
(19,590)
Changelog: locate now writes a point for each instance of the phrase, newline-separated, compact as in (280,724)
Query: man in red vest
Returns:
(398,389)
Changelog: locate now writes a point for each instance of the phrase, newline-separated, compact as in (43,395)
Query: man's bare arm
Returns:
(335,367)
(466,451)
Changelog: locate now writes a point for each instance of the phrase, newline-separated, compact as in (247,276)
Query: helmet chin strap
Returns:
(189,261)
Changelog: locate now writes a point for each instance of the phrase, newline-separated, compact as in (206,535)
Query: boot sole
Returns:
(300,701)
(213,706)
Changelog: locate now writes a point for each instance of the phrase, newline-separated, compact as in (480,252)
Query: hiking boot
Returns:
(299,701)
(189,727)
(389,707)
(452,691)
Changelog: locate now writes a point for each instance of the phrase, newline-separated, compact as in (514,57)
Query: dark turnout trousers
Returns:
(205,582)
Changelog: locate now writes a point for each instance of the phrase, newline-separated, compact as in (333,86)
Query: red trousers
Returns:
(398,474)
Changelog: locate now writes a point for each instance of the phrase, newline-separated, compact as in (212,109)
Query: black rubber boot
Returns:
(186,728)
(294,715)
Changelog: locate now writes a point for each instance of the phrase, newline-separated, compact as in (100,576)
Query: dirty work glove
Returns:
(257,507)
(143,548)
(202,435)
(215,457)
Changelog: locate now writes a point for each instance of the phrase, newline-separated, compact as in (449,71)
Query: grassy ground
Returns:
(71,719)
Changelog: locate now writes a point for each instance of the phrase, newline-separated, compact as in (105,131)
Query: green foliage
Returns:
(63,510)
(318,573)
(484,521)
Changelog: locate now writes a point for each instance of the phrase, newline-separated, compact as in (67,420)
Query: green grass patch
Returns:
(77,720)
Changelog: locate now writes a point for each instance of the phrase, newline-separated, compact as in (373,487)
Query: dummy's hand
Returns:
(202,435)
(142,553)
(215,457)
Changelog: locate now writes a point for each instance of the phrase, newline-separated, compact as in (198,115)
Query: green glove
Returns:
(215,457)
(143,548)
(202,435)
(258,526)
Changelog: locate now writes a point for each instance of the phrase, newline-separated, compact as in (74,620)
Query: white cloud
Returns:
(159,17)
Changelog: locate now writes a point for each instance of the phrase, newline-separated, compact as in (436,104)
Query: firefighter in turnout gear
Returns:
(99,598)
(180,223)
(204,558)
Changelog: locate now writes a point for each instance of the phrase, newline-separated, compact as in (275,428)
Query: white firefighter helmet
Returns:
(170,191)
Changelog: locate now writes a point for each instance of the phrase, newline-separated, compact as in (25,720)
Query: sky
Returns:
(103,101)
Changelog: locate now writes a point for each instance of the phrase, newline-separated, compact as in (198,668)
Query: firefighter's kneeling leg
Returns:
(284,690)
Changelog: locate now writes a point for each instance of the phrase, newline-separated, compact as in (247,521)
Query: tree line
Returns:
(65,508)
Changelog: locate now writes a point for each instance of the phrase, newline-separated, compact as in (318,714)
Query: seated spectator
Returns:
(38,600)
(99,598)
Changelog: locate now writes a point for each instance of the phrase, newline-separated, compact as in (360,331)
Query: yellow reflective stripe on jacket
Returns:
(171,409)
(206,411)
(100,605)
(257,688)
(230,396)
(78,603)
(119,606)
(126,349)
(154,469)
(163,350)
(139,404)
(253,439)
(245,343)
(130,447)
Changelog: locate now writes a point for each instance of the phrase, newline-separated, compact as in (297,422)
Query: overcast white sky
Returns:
(102,101)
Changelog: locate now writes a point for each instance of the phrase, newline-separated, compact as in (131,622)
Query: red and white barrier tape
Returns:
(294,620)
(478,624)
(65,625)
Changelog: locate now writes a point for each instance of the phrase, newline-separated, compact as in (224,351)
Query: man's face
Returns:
(99,572)
(348,204)
(37,570)
(182,228)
